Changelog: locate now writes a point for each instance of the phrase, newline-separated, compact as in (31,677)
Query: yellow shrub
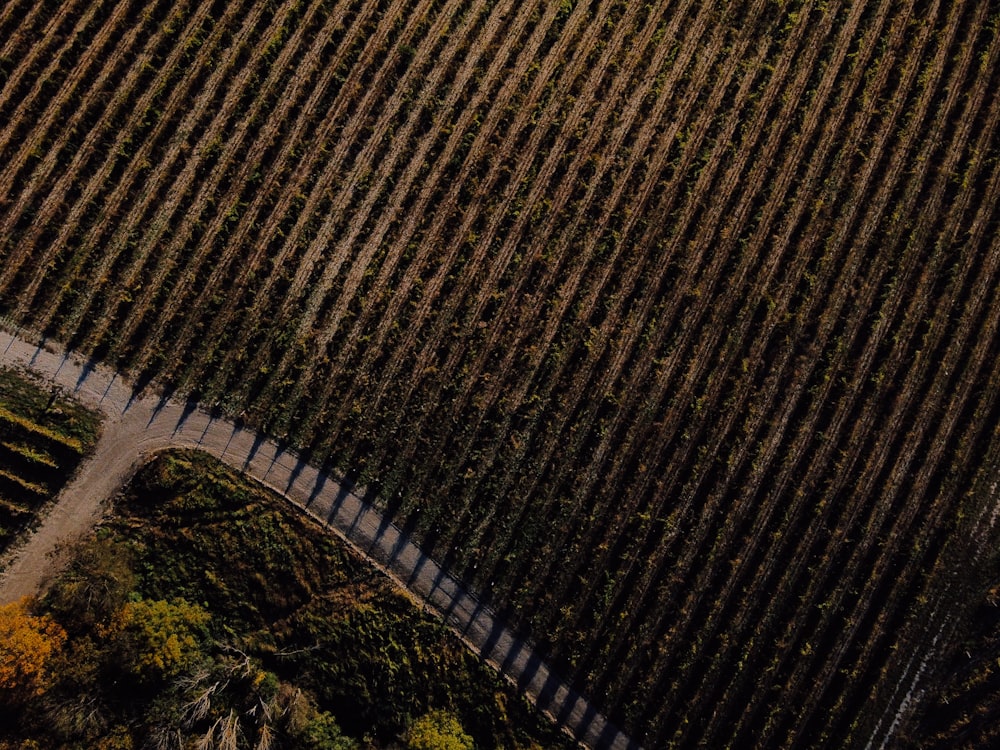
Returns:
(27,643)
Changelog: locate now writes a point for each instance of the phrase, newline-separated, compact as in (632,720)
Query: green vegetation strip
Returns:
(26,425)
(23,483)
(31,454)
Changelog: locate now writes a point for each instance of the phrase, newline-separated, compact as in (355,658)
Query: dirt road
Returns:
(136,427)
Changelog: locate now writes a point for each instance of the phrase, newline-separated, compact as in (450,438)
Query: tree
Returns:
(323,733)
(27,643)
(160,639)
(95,587)
(438,730)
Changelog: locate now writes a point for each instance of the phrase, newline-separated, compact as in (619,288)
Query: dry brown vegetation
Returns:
(671,325)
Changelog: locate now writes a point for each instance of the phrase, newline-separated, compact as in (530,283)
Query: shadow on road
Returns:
(89,367)
(258,441)
(139,386)
(39,350)
(300,465)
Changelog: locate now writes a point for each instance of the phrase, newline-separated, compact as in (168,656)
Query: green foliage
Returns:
(95,586)
(438,730)
(207,611)
(249,558)
(160,639)
(323,733)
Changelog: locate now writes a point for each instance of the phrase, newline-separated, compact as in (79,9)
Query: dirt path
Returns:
(136,428)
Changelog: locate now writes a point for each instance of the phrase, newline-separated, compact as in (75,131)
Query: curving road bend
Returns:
(135,427)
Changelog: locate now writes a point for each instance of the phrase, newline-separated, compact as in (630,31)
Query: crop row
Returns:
(42,439)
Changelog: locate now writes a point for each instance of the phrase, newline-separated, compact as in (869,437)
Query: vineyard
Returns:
(671,326)
(43,437)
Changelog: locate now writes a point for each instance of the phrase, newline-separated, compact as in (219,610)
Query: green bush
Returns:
(323,733)
(438,730)
(160,639)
